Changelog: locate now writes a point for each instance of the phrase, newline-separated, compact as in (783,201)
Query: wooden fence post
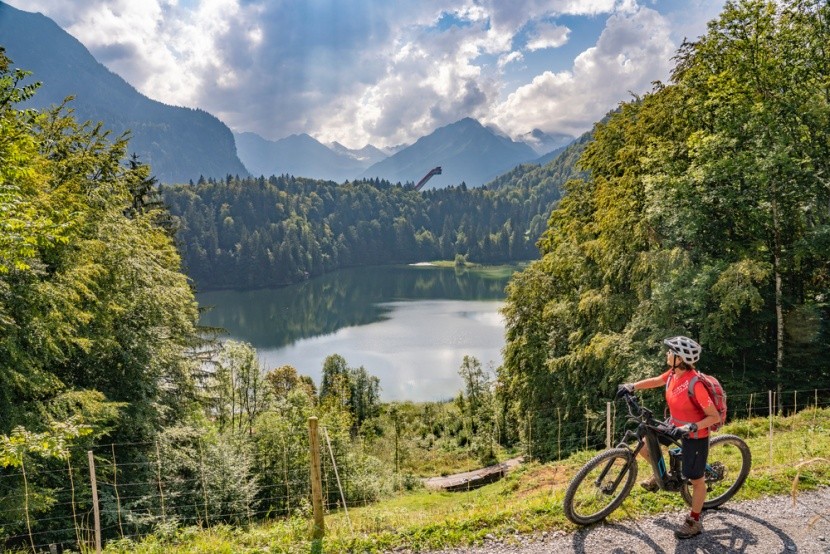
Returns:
(95,508)
(771,411)
(158,476)
(815,412)
(586,428)
(607,425)
(319,528)
(204,487)
(74,512)
(337,476)
(26,502)
(115,488)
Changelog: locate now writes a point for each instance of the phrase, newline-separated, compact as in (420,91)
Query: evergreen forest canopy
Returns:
(250,233)
(706,213)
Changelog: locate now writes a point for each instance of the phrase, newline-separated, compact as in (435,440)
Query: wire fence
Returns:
(48,506)
(54,509)
(563,436)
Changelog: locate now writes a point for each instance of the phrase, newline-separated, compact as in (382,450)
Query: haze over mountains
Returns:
(183,144)
(299,155)
(466,150)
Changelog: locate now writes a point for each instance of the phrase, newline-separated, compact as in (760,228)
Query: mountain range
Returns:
(466,150)
(183,144)
(299,155)
(179,144)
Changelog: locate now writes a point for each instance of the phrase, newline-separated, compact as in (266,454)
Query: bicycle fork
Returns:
(609,488)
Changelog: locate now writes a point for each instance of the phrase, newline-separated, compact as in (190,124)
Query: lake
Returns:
(410,326)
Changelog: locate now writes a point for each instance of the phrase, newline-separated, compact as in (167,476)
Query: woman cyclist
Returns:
(692,418)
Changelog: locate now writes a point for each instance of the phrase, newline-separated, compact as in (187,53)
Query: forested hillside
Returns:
(264,232)
(704,212)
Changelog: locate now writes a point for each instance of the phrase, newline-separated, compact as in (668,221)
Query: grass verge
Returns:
(529,500)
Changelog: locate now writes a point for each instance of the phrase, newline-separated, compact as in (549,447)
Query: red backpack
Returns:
(716,393)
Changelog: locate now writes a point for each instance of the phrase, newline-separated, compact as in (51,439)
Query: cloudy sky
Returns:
(386,72)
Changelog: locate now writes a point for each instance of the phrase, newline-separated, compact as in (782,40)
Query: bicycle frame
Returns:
(646,435)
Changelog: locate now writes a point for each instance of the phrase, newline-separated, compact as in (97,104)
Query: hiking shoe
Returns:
(650,484)
(689,529)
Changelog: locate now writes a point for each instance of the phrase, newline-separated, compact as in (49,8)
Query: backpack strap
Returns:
(691,390)
(692,382)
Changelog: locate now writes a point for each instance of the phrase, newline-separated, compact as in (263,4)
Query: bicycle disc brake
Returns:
(715,472)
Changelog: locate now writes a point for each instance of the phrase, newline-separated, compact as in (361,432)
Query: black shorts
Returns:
(695,454)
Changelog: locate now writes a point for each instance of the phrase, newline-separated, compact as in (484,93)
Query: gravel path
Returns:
(770,525)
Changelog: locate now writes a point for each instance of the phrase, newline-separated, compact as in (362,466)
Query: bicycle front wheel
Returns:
(600,487)
(727,469)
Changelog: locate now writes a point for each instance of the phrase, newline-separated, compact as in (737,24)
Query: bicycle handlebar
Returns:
(641,414)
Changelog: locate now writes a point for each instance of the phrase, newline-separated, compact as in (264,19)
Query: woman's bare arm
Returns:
(651,383)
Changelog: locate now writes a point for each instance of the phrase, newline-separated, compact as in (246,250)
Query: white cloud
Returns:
(633,50)
(548,35)
(514,56)
(372,70)
(425,85)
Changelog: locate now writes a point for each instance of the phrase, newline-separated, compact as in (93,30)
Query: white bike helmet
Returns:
(684,347)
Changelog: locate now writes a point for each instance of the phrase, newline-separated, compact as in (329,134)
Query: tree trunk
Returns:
(233,402)
(779,301)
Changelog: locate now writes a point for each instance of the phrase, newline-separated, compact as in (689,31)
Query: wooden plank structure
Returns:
(470,480)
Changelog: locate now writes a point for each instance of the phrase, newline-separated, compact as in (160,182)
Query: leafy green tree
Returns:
(96,317)
(334,386)
(353,390)
(281,451)
(698,214)
(365,396)
(241,391)
(26,222)
(206,477)
(477,403)
(282,381)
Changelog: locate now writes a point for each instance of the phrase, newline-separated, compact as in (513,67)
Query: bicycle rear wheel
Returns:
(600,487)
(727,469)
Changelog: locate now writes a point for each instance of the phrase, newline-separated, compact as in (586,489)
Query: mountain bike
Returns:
(607,479)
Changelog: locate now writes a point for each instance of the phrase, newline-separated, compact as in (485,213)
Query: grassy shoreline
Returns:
(528,500)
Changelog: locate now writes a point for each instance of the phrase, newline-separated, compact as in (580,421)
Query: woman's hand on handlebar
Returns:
(624,389)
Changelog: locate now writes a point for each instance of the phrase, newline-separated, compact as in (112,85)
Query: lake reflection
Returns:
(410,326)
